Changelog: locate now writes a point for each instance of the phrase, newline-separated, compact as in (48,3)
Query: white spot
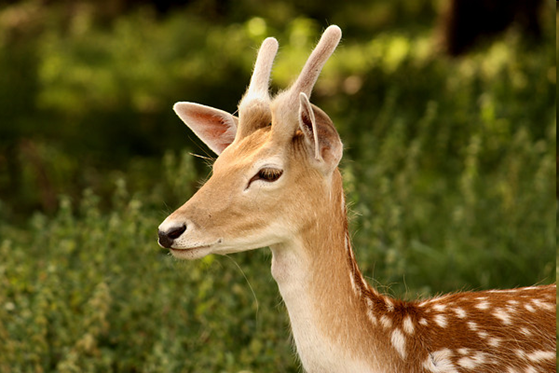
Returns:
(399,342)
(464,351)
(472,361)
(386,321)
(482,334)
(440,320)
(472,325)
(408,325)
(370,311)
(439,307)
(494,342)
(460,312)
(529,308)
(389,305)
(537,356)
(353,285)
(426,302)
(372,316)
(467,363)
(503,291)
(530,369)
(502,315)
(423,321)
(482,305)
(440,361)
(543,305)
(513,302)
(526,331)
(520,353)
(363,281)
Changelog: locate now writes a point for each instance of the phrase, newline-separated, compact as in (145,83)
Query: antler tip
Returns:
(334,30)
(270,43)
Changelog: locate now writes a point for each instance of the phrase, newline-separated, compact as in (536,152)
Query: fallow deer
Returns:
(276,183)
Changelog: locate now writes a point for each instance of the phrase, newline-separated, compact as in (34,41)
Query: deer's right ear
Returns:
(216,128)
(323,141)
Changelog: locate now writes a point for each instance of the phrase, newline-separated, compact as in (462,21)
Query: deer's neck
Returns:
(329,303)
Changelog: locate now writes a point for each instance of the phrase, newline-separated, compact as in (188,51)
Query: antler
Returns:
(290,100)
(259,83)
(254,107)
(324,49)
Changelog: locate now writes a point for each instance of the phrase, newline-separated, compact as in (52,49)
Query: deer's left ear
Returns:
(321,137)
(216,128)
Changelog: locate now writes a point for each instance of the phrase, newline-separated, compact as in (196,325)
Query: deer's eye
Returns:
(267,174)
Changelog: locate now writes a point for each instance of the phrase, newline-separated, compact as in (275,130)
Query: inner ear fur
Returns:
(216,128)
(321,138)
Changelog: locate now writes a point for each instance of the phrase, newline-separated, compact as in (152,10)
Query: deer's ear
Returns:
(323,141)
(216,128)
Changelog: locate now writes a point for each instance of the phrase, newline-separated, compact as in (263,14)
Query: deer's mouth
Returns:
(191,253)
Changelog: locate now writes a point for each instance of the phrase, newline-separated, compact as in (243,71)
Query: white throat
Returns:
(321,330)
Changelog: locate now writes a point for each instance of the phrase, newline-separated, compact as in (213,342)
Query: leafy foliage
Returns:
(449,169)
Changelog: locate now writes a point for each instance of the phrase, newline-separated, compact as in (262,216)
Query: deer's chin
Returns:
(191,253)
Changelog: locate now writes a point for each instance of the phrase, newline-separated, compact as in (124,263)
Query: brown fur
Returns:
(339,322)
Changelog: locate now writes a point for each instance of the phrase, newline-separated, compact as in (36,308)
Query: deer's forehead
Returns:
(256,150)
(284,107)
(254,112)
(258,112)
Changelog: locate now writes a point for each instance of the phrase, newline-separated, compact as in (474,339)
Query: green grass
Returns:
(450,175)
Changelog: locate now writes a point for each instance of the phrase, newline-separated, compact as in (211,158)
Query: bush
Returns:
(449,169)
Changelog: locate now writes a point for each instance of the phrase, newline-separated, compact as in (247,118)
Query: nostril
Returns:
(175,233)
(166,238)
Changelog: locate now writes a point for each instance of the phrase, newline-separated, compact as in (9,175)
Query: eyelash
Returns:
(268,175)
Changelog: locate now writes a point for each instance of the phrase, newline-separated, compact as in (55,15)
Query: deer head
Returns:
(273,161)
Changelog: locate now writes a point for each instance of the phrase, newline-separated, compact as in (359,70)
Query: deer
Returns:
(276,184)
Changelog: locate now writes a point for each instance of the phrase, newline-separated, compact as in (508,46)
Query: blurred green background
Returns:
(449,165)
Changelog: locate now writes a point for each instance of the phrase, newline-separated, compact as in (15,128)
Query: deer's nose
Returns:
(166,238)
